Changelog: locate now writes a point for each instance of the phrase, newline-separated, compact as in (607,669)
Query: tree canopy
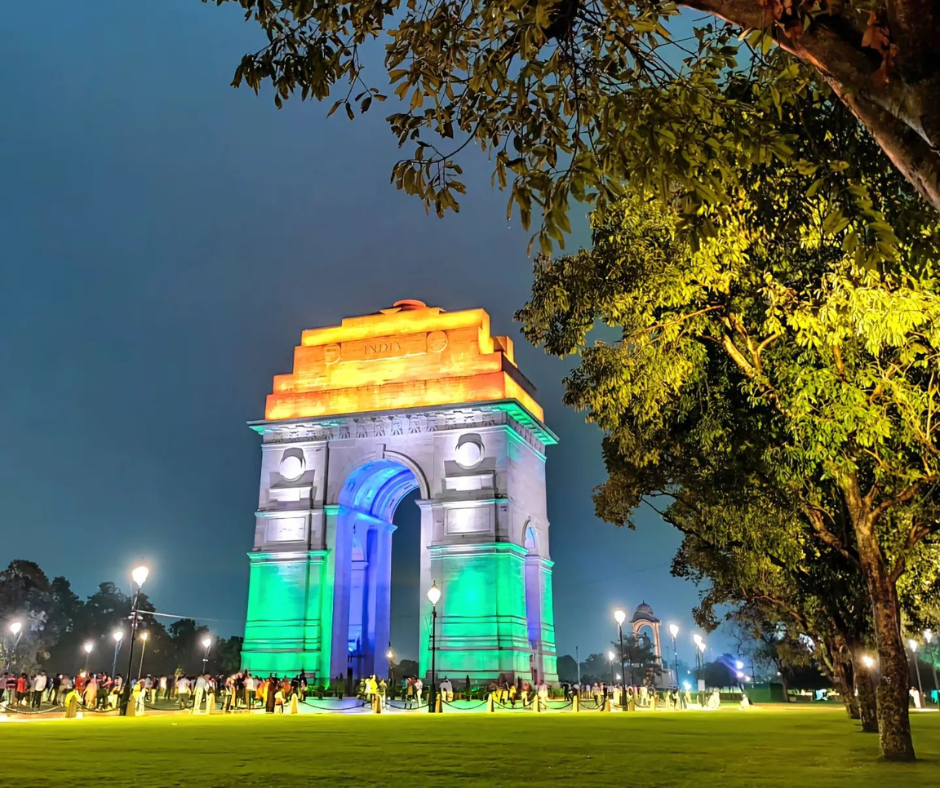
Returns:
(56,623)
(571,98)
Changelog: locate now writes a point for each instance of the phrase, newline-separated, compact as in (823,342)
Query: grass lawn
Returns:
(764,746)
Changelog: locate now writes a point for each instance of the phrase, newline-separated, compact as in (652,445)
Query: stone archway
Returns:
(411,397)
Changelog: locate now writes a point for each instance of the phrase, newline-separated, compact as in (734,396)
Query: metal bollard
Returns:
(489,703)
(576,702)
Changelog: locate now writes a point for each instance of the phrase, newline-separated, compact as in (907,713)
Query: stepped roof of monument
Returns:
(408,355)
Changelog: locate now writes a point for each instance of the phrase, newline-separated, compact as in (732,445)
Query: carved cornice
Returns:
(383,424)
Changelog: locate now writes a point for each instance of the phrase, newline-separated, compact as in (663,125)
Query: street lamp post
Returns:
(144,637)
(620,617)
(16,628)
(610,661)
(389,655)
(434,596)
(118,639)
(674,631)
(206,644)
(139,576)
(87,649)
(928,636)
(700,654)
(920,684)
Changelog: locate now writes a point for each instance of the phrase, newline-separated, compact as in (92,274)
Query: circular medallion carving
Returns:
(437,341)
(331,354)
(469,451)
(292,467)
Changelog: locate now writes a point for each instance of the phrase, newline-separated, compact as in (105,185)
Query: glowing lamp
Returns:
(15,627)
(389,655)
(913,644)
(144,635)
(686,685)
(610,655)
(740,675)
(140,575)
(206,642)
(928,635)
(88,647)
(868,662)
(673,630)
(620,616)
(434,594)
(619,677)
(697,638)
(739,664)
(701,646)
(118,636)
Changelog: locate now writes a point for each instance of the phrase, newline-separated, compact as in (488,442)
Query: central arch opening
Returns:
(363,589)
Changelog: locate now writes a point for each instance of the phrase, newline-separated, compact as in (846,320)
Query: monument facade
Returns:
(411,397)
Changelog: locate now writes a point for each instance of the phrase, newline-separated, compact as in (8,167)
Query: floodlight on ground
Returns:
(673,630)
(619,616)
(434,594)
(140,575)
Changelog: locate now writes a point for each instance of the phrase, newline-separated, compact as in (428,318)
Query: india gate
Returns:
(411,397)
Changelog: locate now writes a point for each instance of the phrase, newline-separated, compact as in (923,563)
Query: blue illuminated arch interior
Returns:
(376,488)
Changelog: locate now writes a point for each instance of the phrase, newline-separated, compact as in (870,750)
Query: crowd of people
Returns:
(102,692)
(242,690)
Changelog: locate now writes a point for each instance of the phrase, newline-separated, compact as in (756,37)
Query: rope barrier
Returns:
(463,708)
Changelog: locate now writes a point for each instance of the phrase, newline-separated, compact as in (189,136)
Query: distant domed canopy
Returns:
(644,613)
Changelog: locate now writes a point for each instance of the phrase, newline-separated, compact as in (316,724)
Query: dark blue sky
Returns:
(164,240)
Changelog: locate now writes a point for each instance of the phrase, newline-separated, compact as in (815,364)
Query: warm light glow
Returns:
(389,655)
(868,662)
(928,635)
(673,630)
(206,642)
(144,635)
(619,616)
(610,655)
(118,636)
(140,575)
(15,627)
(407,356)
(913,644)
(434,594)
(88,647)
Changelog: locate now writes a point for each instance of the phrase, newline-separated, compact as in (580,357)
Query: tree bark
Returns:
(892,697)
(902,111)
(842,677)
(867,703)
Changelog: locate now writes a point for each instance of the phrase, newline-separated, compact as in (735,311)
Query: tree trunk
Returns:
(842,677)
(892,696)
(867,702)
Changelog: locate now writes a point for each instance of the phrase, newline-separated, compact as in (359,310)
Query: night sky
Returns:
(164,240)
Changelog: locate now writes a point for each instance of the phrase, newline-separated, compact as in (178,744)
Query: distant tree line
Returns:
(55,625)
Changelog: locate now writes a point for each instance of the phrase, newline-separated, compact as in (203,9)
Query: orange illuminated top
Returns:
(408,356)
